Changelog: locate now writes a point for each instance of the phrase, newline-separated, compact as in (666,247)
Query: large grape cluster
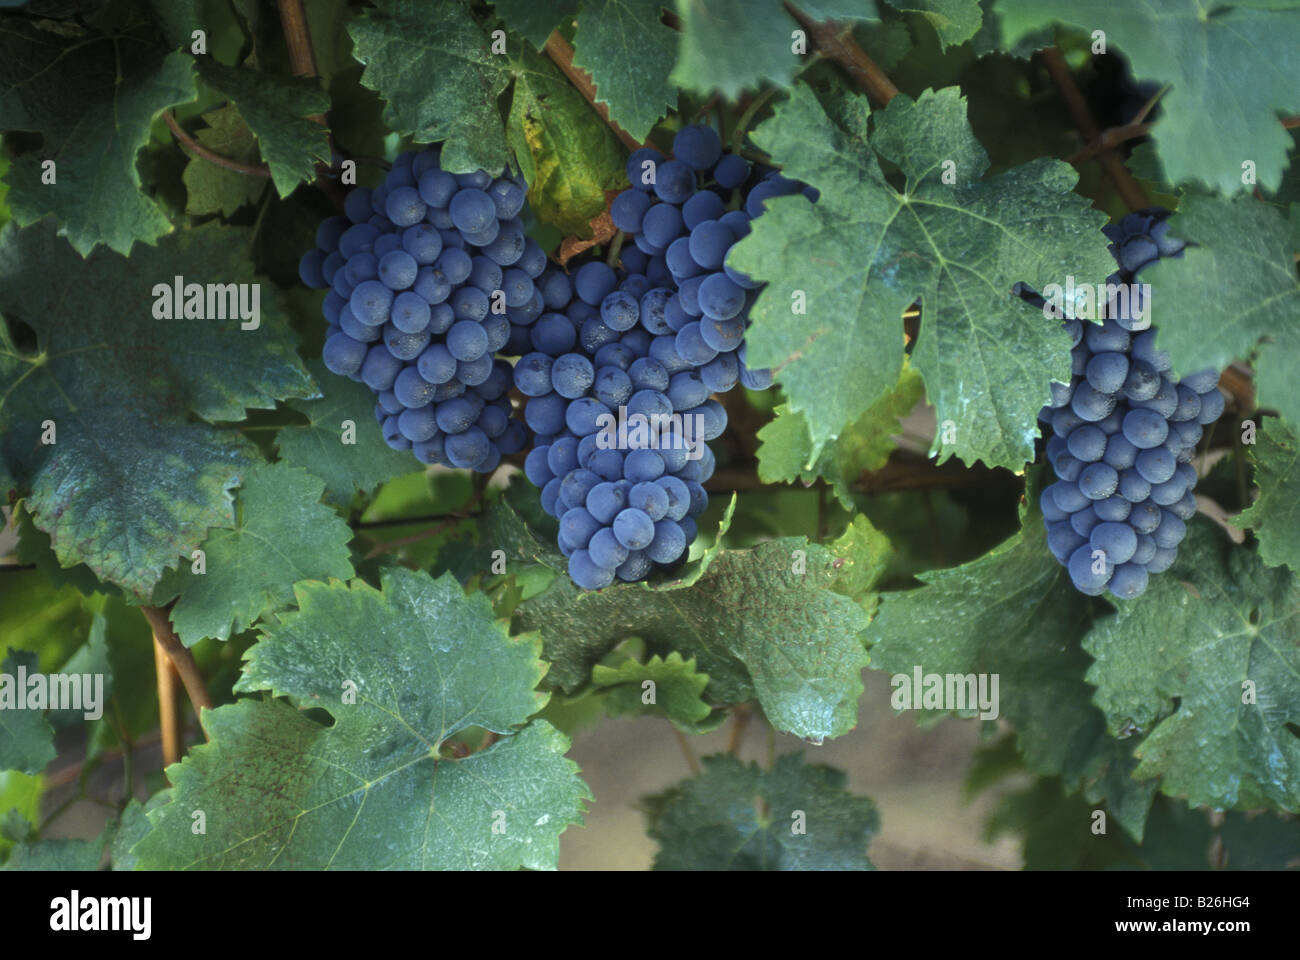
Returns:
(655,338)
(1124,431)
(423,272)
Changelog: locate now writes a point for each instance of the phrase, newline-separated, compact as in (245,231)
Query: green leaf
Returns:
(955,21)
(133,827)
(282,534)
(753,624)
(840,9)
(1275,516)
(1234,293)
(213,189)
(677,688)
(57,854)
(130,484)
(26,737)
(734,45)
(783,455)
(318,445)
(1217,619)
(864,252)
(1013,613)
(434,66)
(94,120)
(568,155)
(629,55)
(730,46)
(1261,842)
(1228,65)
(865,552)
(375,790)
(535,21)
(276,110)
(20,807)
(796,816)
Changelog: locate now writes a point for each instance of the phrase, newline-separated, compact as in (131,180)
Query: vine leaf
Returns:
(26,737)
(735,816)
(94,121)
(58,853)
(784,454)
(376,790)
(568,155)
(276,110)
(318,445)
(210,188)
(128,484)
(955,21)
(1233,294)
(534,21)
(434,66)
(282,534)
(841,272)
(1275,516)
(764,622)
(677,688)
(1013,613)
(1227,64)
(629,55)
(1216,621)
(730,46)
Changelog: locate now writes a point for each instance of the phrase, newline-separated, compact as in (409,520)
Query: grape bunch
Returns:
(649,343)
(423,272)
(625,504)
(1124,431)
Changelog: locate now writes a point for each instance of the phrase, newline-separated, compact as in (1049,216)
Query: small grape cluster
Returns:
(649,343)
(413,270)
(624,505)
(1124,431)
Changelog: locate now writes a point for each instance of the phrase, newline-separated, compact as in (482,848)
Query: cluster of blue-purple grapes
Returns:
(423,272)
(647,343)
(1124,431)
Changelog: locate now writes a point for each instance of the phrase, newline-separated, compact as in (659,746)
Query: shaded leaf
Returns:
(797,816)
(1227,65)
(130,483)
(94,119)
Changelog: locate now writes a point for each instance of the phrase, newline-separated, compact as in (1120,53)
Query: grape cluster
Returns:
(1124,431)
(654,339)
(423,272)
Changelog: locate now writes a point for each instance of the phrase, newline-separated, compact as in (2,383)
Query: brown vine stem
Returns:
(835,41)
(252,170)
(1129,189)
(160,621)
(1108,140)
(692,763)
(561,51)
(1137,127)
(169,717)
(741,714)
(302,57)
(1291,123)
(293,20)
